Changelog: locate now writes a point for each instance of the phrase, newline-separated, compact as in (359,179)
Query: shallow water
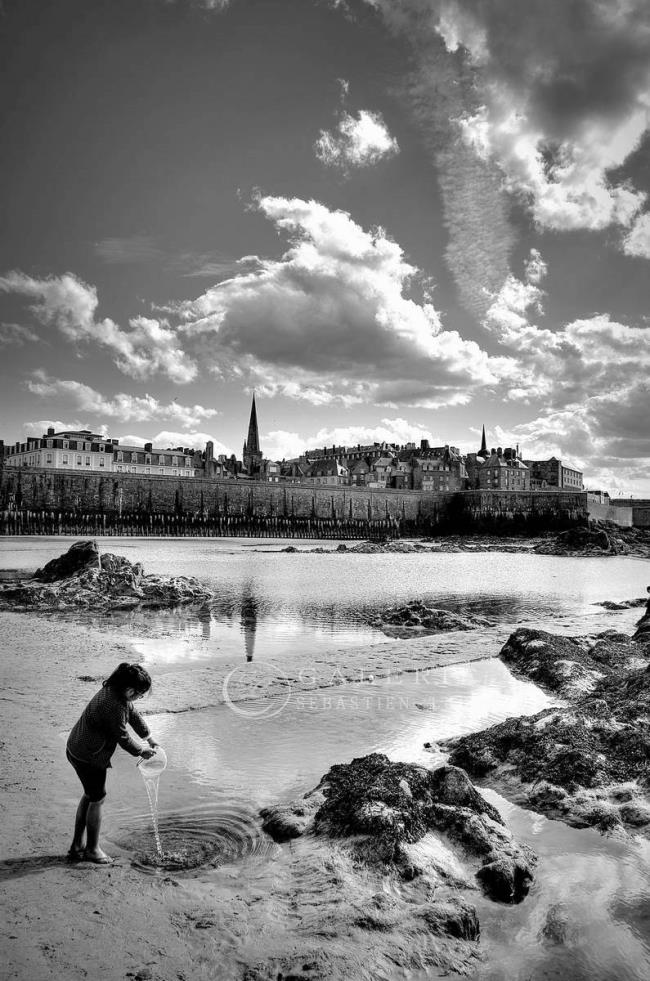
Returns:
(587,913)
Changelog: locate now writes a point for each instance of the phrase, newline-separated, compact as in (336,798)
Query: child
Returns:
(93,741)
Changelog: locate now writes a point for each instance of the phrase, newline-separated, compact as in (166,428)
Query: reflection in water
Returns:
(249,608)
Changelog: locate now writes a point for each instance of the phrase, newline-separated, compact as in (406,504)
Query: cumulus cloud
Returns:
(66,302)
(123,407)
(332,320)
(280,444)
(637,241)
(606,436)
(358,141)
(542,102)
(589,357)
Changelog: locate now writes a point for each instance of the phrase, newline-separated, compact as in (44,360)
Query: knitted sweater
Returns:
(102,726)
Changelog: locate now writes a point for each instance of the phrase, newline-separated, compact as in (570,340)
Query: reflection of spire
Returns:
(205,619)
(249,623)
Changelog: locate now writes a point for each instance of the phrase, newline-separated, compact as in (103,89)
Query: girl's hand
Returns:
(146,754)
(152,742)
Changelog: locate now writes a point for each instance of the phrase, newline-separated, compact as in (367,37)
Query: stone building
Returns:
(503,470)
(553,474)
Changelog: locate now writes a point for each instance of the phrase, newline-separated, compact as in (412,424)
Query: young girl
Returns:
(92,742)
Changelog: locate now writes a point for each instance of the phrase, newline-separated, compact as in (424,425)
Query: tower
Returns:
(252,455)
(483,450)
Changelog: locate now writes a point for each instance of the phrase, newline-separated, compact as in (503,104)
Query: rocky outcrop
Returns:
(598,538)
(381,808)
(417,618)
(568,666)
(81,578)
(587,762)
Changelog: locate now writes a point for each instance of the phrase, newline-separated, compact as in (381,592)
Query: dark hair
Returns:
(129,676)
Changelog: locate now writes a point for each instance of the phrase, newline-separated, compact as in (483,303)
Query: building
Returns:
(152,461)
(503,470)
(553,474)
(78,450)
(251,454)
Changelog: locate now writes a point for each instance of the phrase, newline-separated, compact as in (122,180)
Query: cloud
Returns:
(606,436)
(359,141)
(132,249)
(282,444)
(331,320)
(637,241)
(587,358)
(16,335)
(558,97)
(123,407)
(66,302)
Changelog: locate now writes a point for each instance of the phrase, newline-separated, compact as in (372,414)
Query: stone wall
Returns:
(608,512)
(115,503)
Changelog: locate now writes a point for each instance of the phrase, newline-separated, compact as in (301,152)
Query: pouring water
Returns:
(151,770)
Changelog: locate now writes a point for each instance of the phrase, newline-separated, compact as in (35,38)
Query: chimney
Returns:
(148,447)
(50,430)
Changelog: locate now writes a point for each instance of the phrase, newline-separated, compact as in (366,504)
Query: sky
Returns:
(390,219)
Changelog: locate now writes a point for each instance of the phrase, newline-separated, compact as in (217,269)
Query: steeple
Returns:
(483,450)
(252,455)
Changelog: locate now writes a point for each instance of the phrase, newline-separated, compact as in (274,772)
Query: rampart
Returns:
(39,501)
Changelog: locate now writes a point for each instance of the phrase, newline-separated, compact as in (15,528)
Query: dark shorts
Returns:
(93,778)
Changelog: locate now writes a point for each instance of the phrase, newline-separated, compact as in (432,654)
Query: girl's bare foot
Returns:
(97,856)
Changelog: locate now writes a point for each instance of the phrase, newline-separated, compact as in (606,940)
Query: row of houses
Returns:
(378,465)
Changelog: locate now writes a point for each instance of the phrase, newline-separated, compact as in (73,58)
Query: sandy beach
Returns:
(74,921)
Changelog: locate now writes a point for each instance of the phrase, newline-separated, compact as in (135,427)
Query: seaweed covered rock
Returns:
(82,579)
(383,806)
(79,557)
(568,666)
(417,617)
(586,763)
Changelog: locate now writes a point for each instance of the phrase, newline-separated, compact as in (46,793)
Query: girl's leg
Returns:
(93,826)
(78,843)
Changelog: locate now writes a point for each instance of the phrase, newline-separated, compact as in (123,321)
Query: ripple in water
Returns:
(202,837)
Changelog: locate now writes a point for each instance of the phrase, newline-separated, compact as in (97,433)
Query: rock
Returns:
(79,557)
(455,917)
(417,617)
(382,806)
(555,928)
(504,880)
(568,666)
(112,583)
(585,763)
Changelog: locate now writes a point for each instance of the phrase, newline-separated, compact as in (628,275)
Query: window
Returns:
(102,461)
(134,458)
(120,456)
(48,457)
(65,444)
(102,448)
(147,459)
(78,460)
(49,444)
(174,461)
(87,461)
(65,458)
(147,470)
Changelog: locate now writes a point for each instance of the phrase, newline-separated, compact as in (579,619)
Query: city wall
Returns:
(38,501)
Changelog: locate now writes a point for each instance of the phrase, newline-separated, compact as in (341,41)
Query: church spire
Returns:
(483,450)
(252,455)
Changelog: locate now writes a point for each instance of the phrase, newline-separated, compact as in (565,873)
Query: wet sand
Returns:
(74,921)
